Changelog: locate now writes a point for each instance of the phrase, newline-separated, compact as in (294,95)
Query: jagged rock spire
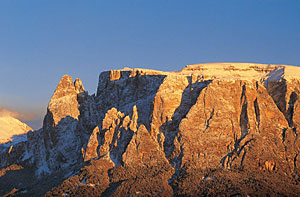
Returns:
(78,86)
(64,100)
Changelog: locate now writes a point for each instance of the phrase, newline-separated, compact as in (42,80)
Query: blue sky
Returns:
(40,41)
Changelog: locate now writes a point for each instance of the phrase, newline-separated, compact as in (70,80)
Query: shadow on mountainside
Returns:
(124,93)
(278,91)
(170,128)
(99,177)
(20,178)
(53,137)
(15,140)
(21,181)
(52,142)
(220,182)
(188,99)
(139,91)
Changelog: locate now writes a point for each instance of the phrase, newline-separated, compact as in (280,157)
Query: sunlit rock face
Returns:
(65,95)
(187,132)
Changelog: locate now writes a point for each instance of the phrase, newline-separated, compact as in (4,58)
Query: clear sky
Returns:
(40,41)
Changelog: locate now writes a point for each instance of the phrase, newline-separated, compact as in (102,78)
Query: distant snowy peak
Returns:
(9,127)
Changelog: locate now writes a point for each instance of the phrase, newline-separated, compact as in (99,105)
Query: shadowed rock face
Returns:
(209,129)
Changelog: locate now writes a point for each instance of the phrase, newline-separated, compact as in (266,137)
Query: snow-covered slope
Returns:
(10,126)
(243,71)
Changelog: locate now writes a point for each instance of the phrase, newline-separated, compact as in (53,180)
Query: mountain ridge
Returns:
(157,133)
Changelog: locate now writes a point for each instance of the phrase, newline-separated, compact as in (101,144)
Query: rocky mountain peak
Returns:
(64,87)
(78,86)
(64,100)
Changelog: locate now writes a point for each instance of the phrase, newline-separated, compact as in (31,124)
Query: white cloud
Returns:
(17,115)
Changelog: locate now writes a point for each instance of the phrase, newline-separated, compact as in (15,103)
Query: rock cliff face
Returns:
(207,129)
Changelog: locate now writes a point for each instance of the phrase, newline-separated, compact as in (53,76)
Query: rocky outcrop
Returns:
(229,131)
(91,151)
(149,132)
(57,145)
(65,95)
(143,150)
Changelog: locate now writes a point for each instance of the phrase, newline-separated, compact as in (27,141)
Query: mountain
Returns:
(209,129)
(10,127)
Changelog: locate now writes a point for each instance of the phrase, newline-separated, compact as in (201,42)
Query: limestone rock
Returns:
(143,150)
(133,123)
(78,86)
(91,149)
(65,95)
(111,141)
(57,145)
(216,126)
